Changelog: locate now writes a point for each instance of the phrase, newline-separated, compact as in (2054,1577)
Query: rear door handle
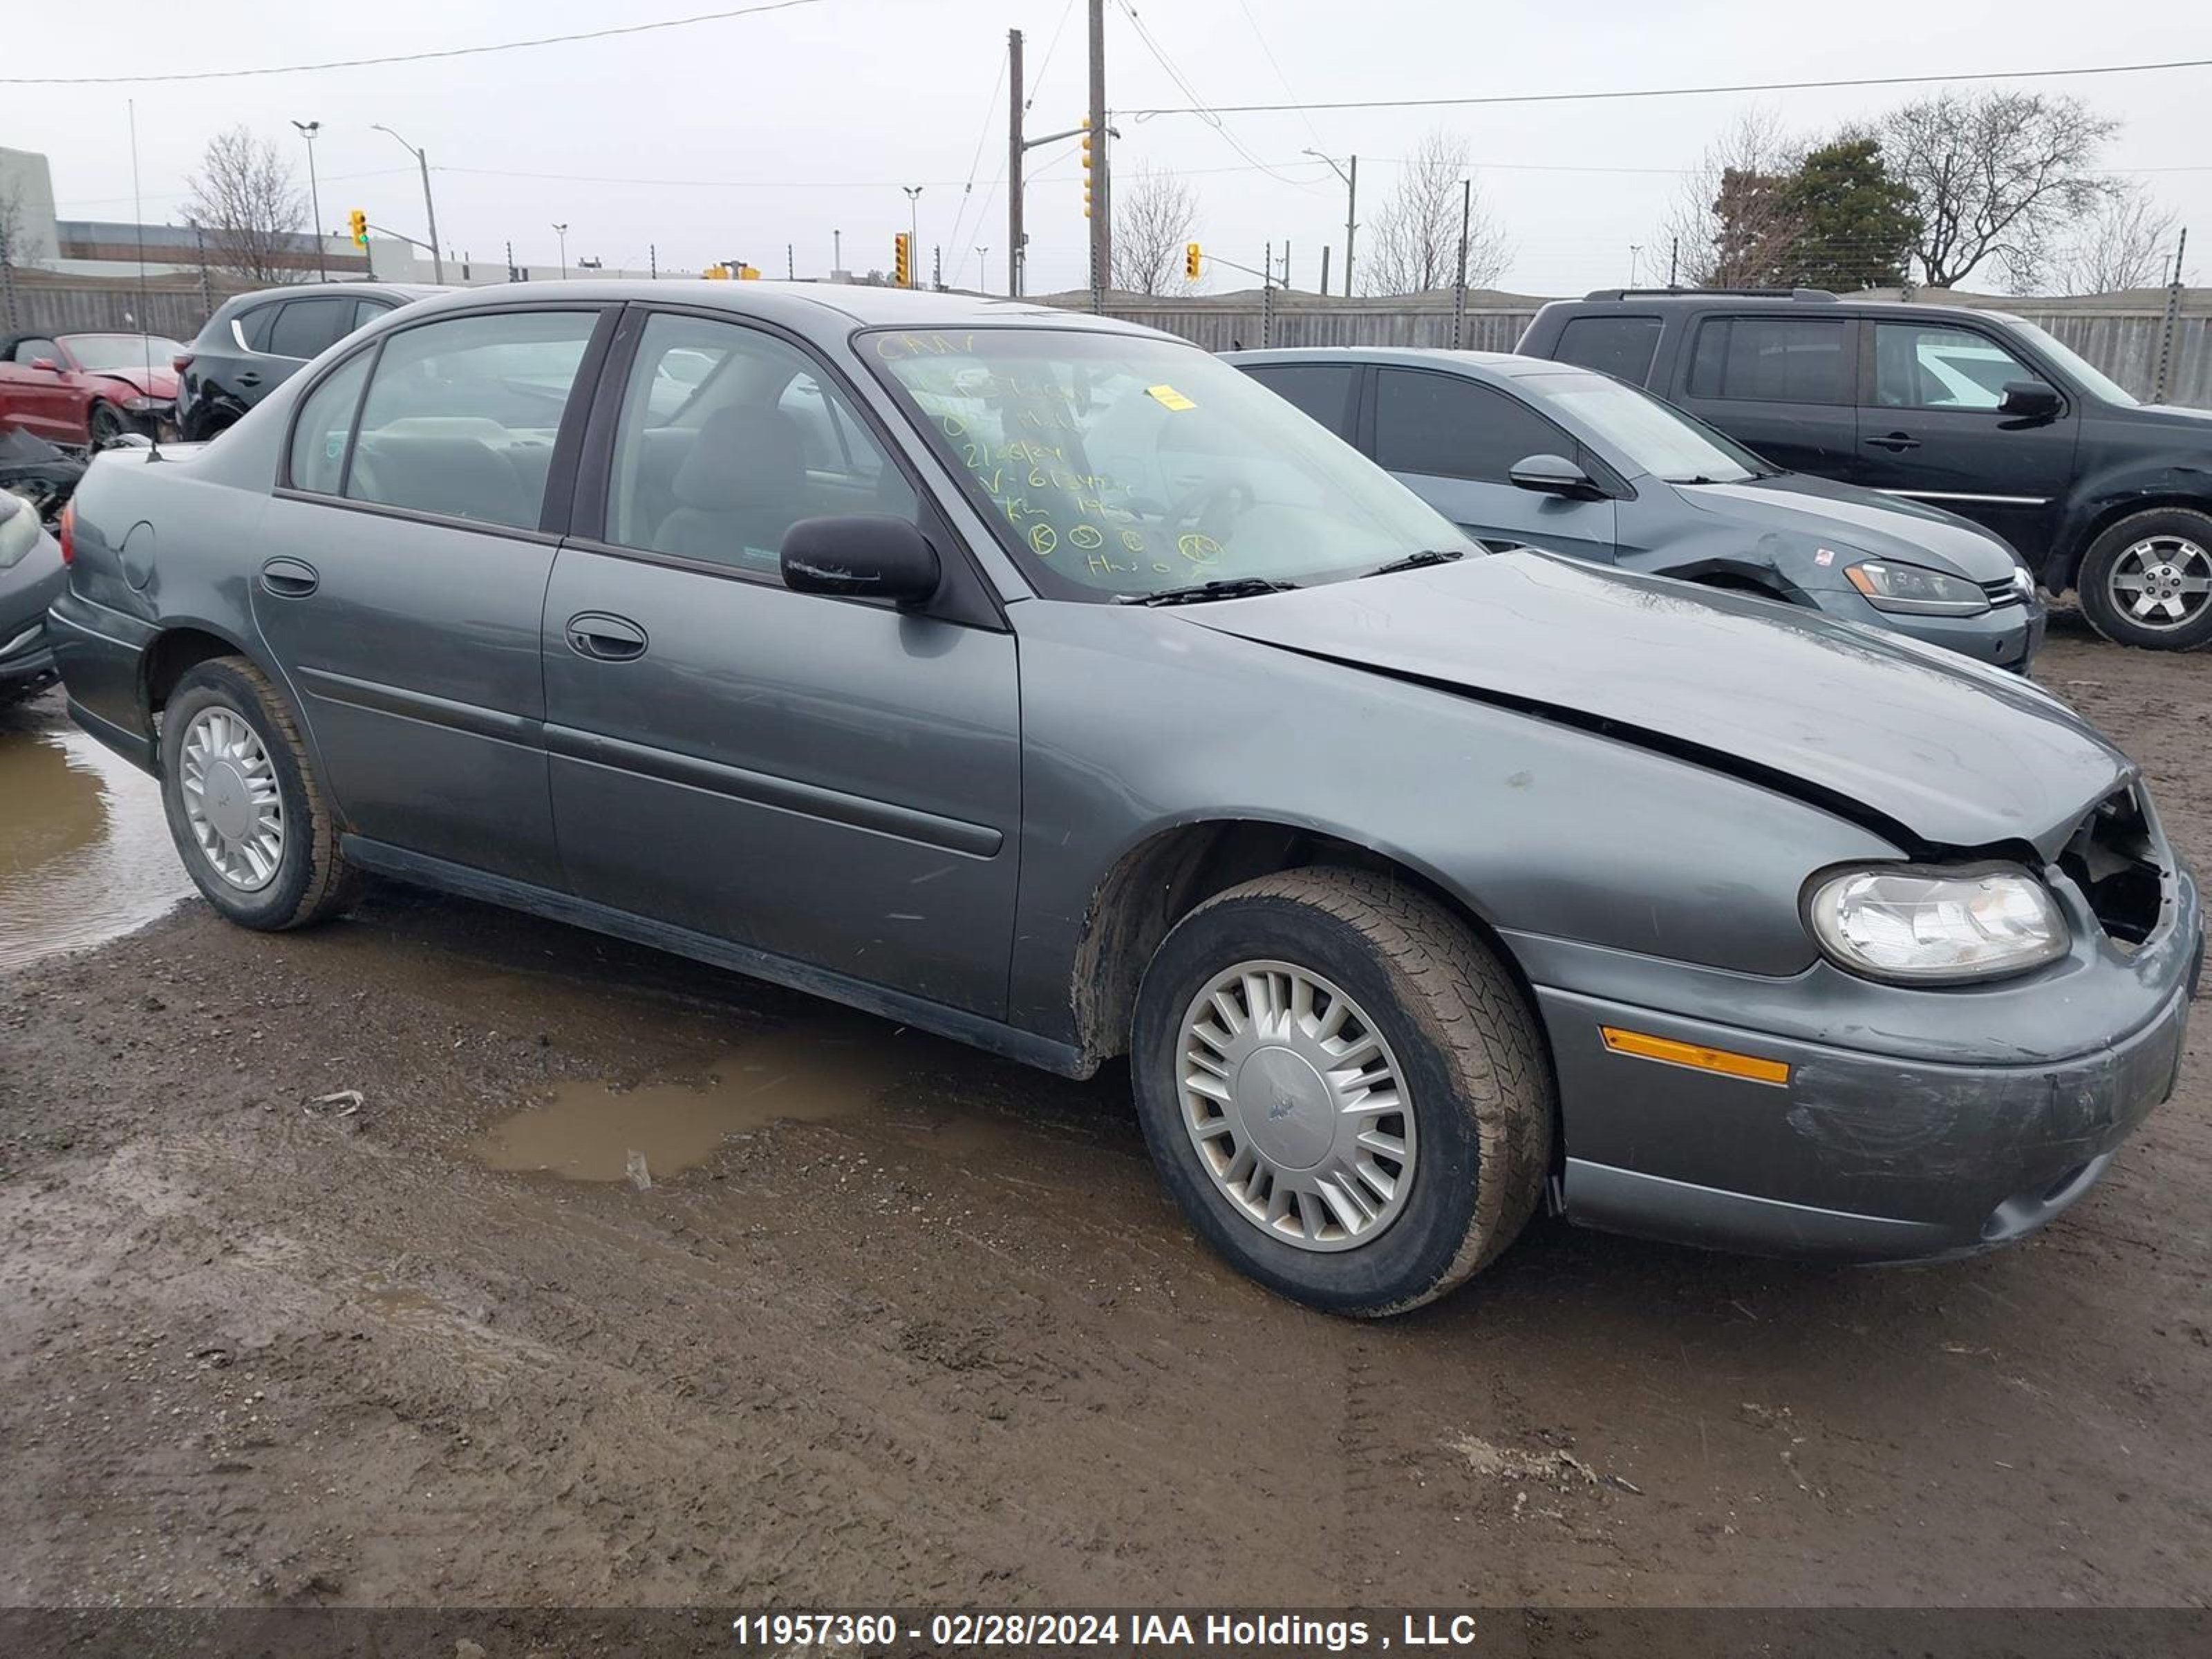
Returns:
(249,378)
(602,638)
(1897,441)
(289,579)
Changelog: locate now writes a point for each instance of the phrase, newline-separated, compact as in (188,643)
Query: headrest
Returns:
(744,456)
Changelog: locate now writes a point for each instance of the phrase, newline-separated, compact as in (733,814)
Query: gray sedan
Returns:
(1517,450)
(1041,681)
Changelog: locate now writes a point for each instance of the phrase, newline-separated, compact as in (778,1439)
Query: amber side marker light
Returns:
(1695,1055)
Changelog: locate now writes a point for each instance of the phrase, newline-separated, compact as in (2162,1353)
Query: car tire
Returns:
(230,750)
(1460,1054)
(103,424)
(2154,547)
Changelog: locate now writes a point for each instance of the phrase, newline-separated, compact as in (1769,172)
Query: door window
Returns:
(1917,366)
(324,425)
(1622,346)
(1782,359)
(31,351)
(307,328)
(365,312)
(1321,390)
(728,437)
(1450,427)
(461,414)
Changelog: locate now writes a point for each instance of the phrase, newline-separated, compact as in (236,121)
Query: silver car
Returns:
(1041,681)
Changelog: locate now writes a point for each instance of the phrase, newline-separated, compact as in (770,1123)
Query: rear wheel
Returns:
(1343,1089)
(2148,581)
(252,824)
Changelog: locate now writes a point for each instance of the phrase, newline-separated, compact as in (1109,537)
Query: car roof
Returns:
(403,292)
(1810,301)
(1474,365)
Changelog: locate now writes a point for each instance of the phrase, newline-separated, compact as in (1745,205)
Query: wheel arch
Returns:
(2063,570)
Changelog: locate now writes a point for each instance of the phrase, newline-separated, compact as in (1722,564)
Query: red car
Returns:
(86,390)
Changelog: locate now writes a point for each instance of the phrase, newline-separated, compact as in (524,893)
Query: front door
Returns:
(1930,428)
(403,587)
(1454,442)
(831,782)
(40,400)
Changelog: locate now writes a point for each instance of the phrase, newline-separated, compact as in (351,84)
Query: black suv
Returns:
(260,340)
(1978,411)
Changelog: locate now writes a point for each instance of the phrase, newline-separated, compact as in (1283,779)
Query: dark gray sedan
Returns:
(1041,681)
(30,580)
(1517,450)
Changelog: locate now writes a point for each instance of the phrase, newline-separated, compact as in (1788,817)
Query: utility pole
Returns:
(199,243)
(1286,265)
(836,249)
(1351,177)
(790,263)
(2172,318)
(510,262)
(307,131)
(1014,149)
(562,231)
(1101,168)
(913,230)
(1634,250)
(653,261)
(937,266)
(1459,300)
(429,207)
(983,268)
(1673,259)
(1324,269)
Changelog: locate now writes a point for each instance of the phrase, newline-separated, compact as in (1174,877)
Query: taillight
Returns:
(69,532)
(181,362)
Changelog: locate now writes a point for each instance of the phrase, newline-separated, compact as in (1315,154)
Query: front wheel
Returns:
(2148,581)
(249,819)
(1343,1089)
(104,424)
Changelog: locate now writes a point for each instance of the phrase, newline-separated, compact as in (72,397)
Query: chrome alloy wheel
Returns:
(1296,1105)
(231,799)
(2162,582)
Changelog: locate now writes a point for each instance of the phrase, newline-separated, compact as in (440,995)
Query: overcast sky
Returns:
(808,121)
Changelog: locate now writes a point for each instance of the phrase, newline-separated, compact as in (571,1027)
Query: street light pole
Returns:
(1351,210)
(562,231)
(429,207)
(307,131)
(913,230)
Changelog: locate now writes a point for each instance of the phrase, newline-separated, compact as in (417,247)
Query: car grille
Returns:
(2004,592)
(2120,867)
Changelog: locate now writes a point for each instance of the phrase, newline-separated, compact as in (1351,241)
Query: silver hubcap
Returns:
(231,799)
(2163,582)
(1296,1106)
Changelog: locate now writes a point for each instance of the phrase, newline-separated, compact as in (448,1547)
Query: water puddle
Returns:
(85,854)
(831,1067)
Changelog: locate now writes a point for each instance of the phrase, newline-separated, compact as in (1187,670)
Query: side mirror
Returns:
(47,364)
(861,556)
(1555,475)
(2029,399)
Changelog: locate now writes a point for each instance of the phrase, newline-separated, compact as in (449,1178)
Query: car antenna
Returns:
(138,212)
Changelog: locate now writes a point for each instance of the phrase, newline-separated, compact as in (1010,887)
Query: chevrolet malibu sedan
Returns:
(1520,450)
(1041,681)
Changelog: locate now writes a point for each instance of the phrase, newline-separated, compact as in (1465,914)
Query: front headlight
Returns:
(19,530)
(1912,590)
(144,405)
(1925,926)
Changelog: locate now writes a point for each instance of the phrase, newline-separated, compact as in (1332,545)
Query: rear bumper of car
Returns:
(25,655)
(1860,1155)
(100,654)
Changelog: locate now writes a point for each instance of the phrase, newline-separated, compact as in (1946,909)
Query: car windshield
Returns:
(1654,437)
(1120,465)
(101,353)
(2091,380)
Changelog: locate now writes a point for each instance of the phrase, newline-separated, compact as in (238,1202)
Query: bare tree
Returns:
(2122,244)
(12,251)
(1732,225)
(1153,215)
(246,200)
(1414,245)
(1995,175)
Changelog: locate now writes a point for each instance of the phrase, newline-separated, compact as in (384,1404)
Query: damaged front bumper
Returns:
(1911,1124)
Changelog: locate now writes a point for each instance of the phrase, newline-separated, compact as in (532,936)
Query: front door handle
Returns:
(249,378)
(602,638)
(1896,443)
(289,579)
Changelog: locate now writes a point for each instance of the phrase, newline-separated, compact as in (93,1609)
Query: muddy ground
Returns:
(895,1322)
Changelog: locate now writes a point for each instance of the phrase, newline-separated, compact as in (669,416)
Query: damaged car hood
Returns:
(1956,756)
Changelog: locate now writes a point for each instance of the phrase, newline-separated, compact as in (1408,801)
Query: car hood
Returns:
(1855,521)
(1930,749)
(160,381)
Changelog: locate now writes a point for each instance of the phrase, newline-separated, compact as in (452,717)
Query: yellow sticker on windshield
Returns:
(1169,397)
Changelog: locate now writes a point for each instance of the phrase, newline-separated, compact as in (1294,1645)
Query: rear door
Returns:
(831,782)
(1327,391)
(402,587)
(1929,427)
(1454,441)
(1781,382)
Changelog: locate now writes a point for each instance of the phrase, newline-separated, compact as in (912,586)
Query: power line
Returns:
(976,161)
(402,57)
(1212,118)
(1214,112)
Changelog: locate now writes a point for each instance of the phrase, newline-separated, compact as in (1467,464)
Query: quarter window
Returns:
(324,423)
(728,438)
(1620,346)
(461,414)
(253,326)
(1788,360)
(1321,390)
(307,328)
(1919,367)
(1449,428)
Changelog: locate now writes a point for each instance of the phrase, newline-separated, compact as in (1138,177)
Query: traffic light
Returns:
(903,259)
(716,273)
(1190,260)
(360,223)
(749,273)
(1086,168)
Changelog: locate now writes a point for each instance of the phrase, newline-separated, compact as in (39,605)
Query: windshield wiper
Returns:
(1228,587)
(1422,560)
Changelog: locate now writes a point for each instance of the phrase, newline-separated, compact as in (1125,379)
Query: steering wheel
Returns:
(1211,509)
